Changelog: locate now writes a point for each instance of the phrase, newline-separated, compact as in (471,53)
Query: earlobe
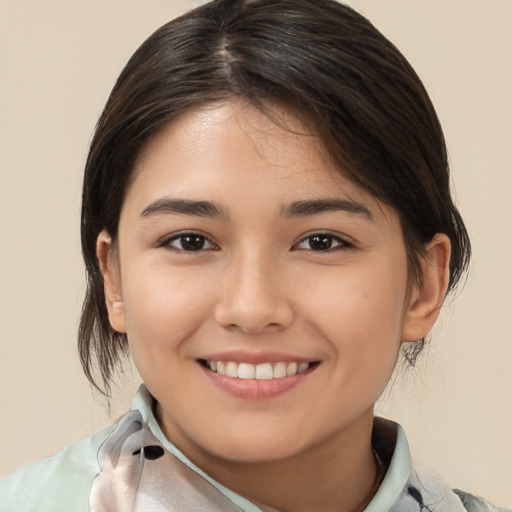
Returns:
(427,298)
(109,266)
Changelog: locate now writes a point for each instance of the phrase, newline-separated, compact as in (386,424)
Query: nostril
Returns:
(254,318)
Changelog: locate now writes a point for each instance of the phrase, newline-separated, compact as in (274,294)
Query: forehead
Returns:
(231,150)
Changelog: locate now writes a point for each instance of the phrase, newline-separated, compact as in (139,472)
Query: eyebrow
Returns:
(296,209)
(184,207)
(315,207)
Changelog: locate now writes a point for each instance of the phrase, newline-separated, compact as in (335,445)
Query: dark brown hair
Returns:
(318,58)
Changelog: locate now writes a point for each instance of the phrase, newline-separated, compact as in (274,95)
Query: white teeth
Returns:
(231,369)
(302,367)
(279,370)
(264,371)
(221,368)
(246,371)
(291,369)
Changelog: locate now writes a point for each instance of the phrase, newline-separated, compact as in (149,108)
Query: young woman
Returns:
(266,221)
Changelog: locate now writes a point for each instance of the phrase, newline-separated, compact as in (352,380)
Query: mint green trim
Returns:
(396,476)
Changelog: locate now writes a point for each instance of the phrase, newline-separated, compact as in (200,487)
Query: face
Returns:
(264,295)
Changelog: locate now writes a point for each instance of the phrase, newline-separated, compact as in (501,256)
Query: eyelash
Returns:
(203,239)
(321,237)
(167,242)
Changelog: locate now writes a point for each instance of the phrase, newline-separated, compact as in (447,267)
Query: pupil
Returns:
(320,243)
(192,242)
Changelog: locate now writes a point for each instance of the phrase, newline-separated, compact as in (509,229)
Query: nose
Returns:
(255,298)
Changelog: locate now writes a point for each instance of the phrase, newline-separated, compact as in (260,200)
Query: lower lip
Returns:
(255,389)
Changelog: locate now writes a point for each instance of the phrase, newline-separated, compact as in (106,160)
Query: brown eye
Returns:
(189,242)
(322,242)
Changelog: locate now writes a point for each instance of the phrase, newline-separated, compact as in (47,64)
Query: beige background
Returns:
(58,60)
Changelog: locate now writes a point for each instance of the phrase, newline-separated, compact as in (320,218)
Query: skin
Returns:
(259,286)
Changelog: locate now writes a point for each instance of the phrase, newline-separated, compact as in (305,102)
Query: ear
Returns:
(427,298)
(109,264)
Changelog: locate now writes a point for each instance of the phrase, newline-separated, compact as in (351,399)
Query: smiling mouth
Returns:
(263,371)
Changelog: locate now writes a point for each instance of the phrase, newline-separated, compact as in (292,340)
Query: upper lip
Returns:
(241,356)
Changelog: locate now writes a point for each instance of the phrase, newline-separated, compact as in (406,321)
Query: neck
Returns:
(338,474)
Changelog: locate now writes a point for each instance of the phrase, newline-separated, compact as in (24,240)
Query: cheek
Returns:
(360,313)
(359,299)
(163,307)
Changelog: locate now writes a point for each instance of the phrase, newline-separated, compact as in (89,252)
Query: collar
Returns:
(388,439)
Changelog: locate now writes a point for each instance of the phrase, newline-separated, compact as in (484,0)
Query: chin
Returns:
(253,447)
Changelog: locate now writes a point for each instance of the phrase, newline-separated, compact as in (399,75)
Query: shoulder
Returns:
(428,488)
(58,483)
(477,504)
